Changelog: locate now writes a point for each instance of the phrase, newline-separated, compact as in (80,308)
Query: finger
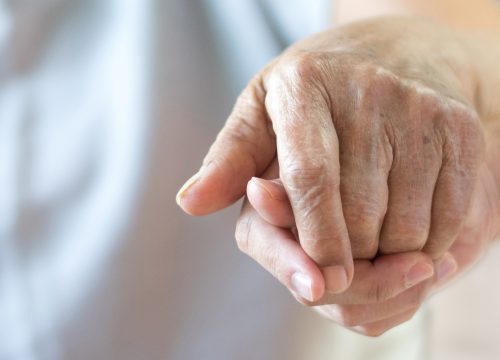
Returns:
(472,240)
(461,256)
(373,282)
(357,314)
(455,184)
(307,147)
(449,209)
(365,162)
(411,182)
(277,251)
(445,267)
(270,200)
(468,247)
(243,149)
(480,227)
(381,280)
(379,328)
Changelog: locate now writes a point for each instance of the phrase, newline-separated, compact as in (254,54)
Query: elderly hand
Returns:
(378,143)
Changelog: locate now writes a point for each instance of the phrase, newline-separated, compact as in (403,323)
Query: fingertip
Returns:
(446,266)
(212,189)
(255,191)
(262,196)
(337,278)
(306,269)
(199,196)
(307,287)
(270,202)
(318,287)
(418,273)
(184,197)
(271,189)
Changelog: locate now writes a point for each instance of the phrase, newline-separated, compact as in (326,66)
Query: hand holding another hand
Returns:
(386,291)
(373,131)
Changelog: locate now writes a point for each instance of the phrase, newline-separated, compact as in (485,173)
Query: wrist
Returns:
(483,50)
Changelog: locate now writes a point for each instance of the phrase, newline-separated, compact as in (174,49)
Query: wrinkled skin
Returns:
(374,132)
(379,297)
(365,146)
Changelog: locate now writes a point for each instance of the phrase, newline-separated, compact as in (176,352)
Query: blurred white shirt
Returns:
(106,106)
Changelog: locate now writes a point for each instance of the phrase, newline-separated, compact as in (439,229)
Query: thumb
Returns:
(244,148)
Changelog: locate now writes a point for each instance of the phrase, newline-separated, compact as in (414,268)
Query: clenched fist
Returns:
(373,129)
(387,290)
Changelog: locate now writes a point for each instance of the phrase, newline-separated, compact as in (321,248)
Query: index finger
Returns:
(308,155)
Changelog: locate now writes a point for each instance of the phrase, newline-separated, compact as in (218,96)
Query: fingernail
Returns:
(335,279)
(302,285)
(446,267)
(185,188)
(418,273)
(273,190)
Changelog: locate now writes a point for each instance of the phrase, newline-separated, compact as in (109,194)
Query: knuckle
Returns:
(300,66)
(310,185)
(463,136)
(375,83)
(309,174)
(362,208)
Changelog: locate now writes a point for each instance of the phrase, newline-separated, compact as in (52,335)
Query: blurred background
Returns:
(106,107)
